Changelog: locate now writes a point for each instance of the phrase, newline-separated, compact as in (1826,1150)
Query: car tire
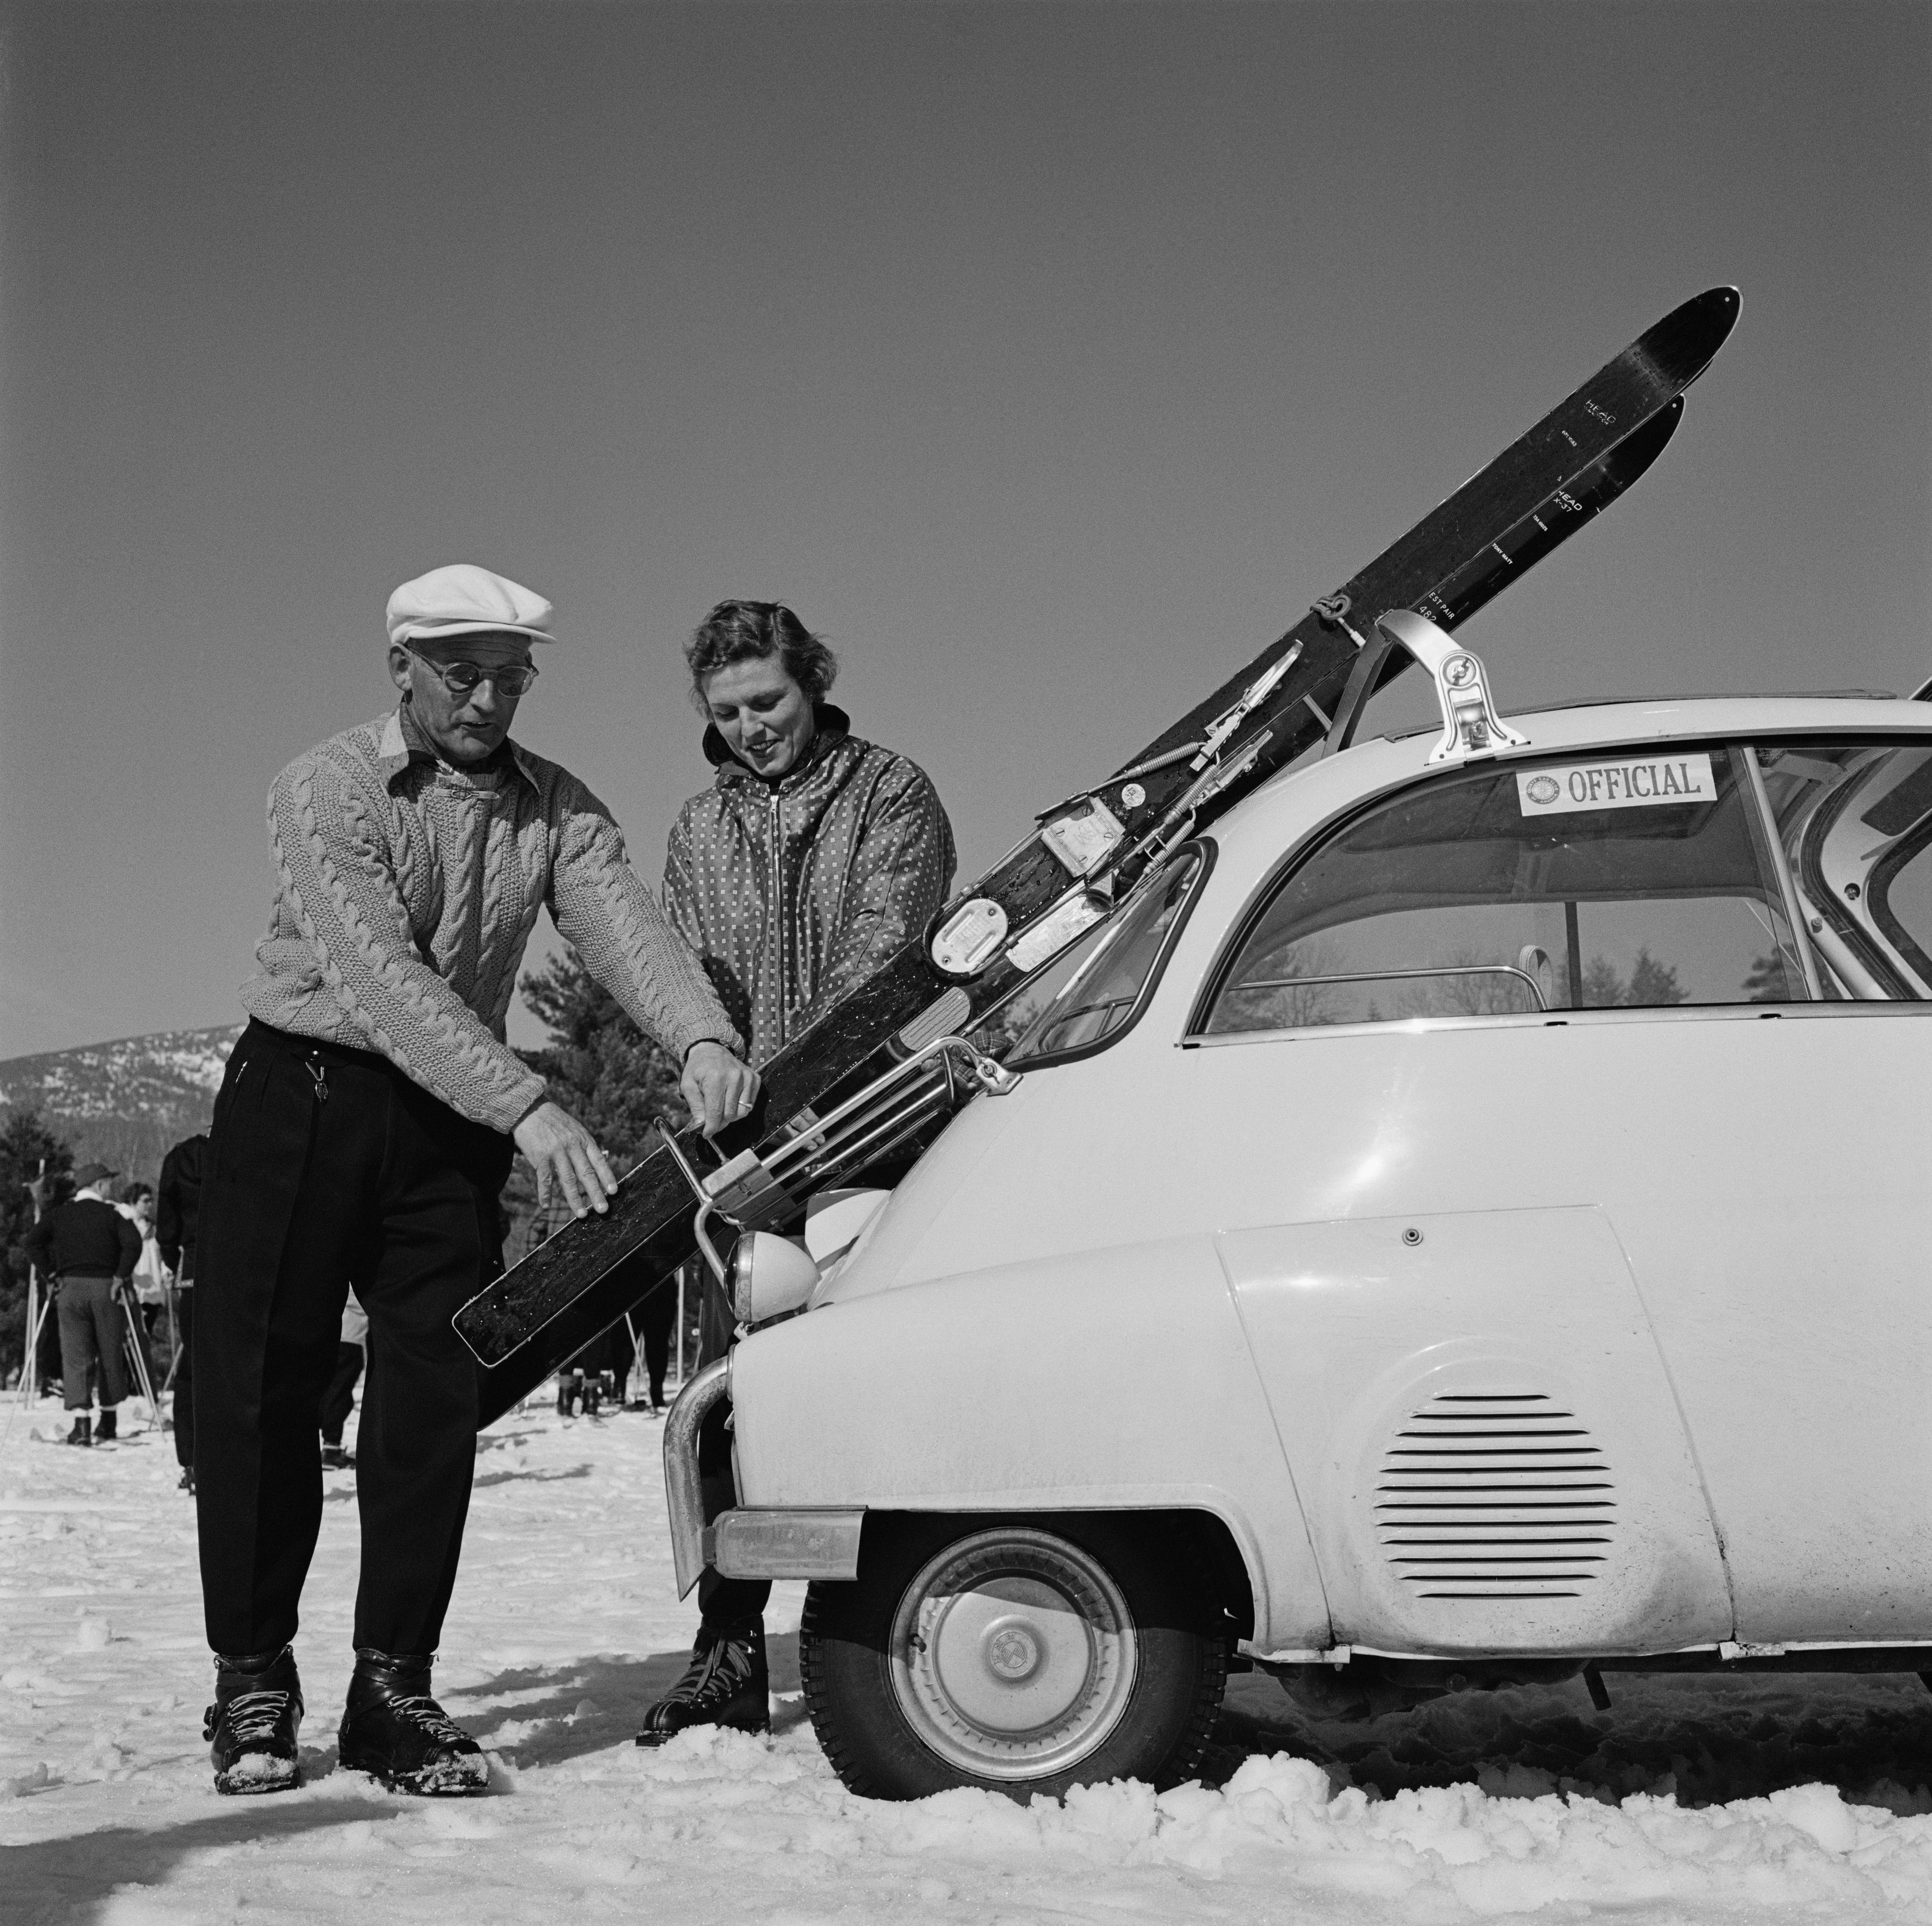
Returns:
(1023,1655)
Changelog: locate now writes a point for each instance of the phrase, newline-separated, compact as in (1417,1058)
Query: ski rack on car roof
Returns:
(1471,725)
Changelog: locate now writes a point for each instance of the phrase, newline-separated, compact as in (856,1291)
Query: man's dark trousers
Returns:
(327,1167)
(93,1327)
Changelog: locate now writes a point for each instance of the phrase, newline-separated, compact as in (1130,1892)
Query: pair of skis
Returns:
(888,1061)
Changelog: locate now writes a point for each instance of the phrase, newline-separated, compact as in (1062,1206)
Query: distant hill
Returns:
(125,1103)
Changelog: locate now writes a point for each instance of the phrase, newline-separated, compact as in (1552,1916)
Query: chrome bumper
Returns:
(681,1490)
(743,1542)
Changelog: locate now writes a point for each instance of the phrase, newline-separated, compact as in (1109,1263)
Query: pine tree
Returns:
(1653,984)
(30,1155)
(1604,987)
(603,1070)
(611,1077)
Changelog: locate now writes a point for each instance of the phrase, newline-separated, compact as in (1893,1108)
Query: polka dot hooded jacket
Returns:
(794,892)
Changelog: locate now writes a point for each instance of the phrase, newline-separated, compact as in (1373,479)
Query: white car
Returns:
(1466,1221)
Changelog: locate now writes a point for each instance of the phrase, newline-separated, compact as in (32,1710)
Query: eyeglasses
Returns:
(462,678)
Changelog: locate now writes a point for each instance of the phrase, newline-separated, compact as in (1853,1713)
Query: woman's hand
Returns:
(718,1089)
(562,1151)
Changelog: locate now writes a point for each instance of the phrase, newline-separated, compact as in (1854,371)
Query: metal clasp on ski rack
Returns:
(751,1192)
(706,1210)
(1470,724)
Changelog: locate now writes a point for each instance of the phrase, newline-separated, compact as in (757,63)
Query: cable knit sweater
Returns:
(408,892)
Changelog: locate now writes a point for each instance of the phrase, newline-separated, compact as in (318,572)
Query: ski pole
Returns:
(36,1316)
(131,1338)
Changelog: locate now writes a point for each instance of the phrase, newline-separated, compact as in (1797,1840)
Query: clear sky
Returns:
(1049,359)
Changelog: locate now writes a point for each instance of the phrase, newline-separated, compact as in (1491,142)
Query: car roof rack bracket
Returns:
(1470,724)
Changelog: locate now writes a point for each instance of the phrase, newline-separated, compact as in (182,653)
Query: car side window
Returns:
(1111,986)
(1635,880)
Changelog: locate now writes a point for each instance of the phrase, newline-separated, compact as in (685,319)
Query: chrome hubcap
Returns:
(1013,1654)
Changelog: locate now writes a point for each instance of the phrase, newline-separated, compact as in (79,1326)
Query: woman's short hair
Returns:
(743,632)
(132,1193)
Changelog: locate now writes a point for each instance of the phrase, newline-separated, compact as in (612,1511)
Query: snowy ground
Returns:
(1733,1801)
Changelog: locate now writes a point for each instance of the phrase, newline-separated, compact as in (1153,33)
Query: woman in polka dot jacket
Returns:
(809,861)
(813,856)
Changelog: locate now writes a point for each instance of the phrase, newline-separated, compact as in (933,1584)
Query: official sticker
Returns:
(1640,782)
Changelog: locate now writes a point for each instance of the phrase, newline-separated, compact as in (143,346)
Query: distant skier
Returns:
(655,1318)
(93,1248)
(137,1203)
(812,859)
(364,1127)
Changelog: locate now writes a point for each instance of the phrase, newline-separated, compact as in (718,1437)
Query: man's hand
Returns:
(718,1089)
(562,1151)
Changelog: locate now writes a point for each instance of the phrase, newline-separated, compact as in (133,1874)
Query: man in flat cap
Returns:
(364,1127)
(93,1249)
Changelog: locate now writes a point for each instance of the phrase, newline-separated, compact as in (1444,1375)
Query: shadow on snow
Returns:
(68,1879)
(1707,1740)
(561,1712)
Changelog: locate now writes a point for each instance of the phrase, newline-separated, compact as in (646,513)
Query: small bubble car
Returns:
(1465,1221)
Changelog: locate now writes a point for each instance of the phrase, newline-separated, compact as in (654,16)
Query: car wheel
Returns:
(1025,1657)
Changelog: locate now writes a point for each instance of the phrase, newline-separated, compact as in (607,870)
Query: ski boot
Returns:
(335,1458)
(82,1432)
(568,1384)
(393,1729)
(253,1722)
(593,1394)
(726,1684)
(108,1429)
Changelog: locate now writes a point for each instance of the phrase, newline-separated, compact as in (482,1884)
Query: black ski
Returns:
(1087,853)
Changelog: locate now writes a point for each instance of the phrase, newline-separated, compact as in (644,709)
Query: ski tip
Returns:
(1686,341)
(1636,452)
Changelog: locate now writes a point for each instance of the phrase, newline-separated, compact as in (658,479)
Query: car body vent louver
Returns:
(1502,1495)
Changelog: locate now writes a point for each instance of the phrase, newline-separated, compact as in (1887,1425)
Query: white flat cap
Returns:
(462,599)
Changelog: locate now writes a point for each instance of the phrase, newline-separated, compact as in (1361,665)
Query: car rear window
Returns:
(1634,879)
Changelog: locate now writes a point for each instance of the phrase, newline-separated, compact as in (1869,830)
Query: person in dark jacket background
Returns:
(177,1214)
(94,1250)
(812,858)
